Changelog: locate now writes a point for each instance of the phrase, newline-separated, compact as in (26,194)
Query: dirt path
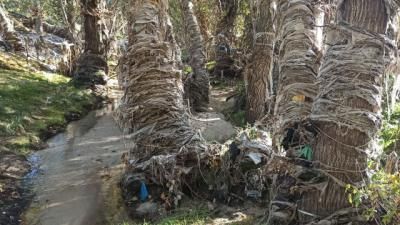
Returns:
(78,175)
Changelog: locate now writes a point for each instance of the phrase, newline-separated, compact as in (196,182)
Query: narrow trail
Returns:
(76,182)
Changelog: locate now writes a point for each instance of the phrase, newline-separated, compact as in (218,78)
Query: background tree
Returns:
(70,18)
(259,69)
(198,84)
(224,38)
(91,67)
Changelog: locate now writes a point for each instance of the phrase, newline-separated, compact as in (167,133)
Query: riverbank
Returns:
(34,106)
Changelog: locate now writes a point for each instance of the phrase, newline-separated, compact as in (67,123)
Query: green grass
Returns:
(197,216)
(31,102)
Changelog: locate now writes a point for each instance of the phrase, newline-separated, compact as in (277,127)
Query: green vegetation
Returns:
(211,65)
(381,197)
(197,216)
(390,132)
(34,103)
(187,217)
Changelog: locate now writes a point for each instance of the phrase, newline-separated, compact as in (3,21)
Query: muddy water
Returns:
(75,179)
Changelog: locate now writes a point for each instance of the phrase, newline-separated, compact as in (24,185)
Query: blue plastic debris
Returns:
(143,194)
(306,152)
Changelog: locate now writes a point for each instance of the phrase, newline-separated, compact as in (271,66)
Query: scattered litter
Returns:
(306,153)
(256,157)
(144,194)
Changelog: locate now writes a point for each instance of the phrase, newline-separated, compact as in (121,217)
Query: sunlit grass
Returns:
(196,216)
(31,102)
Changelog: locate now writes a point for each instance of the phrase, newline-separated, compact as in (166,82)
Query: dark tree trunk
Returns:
(229,10)
(346,112)
(91,17)
(224,37)
(91,67)
(198,84)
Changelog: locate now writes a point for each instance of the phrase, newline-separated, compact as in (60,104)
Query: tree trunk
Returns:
(37,17)
(259,70)
(152,108)
(346,112)
(229,9)
(224,37)
(91,26)
(70,19)
(8,32)
(298,66)
(91,67)
(199,83)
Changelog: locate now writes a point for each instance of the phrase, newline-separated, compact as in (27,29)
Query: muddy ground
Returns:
(13,197)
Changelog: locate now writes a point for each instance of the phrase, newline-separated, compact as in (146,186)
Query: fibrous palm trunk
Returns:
(198,84)
(258,72)
(346,112)
(152,108)
(298,68)
(91,67)
(8,32)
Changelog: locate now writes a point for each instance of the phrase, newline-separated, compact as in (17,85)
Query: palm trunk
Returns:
(347,110)
(91,68)
(298,68)
(198,84)
(259,70)
(152,107)
(224,38)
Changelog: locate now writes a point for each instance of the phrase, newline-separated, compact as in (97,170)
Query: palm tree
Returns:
(224,37)
(152,108)
(346,112)
(199,83)
(298,68)
(91,67)
(259,70)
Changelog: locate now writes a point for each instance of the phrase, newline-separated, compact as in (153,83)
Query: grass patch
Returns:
(32,103)
(194,215)
(237,118)
(197,216)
